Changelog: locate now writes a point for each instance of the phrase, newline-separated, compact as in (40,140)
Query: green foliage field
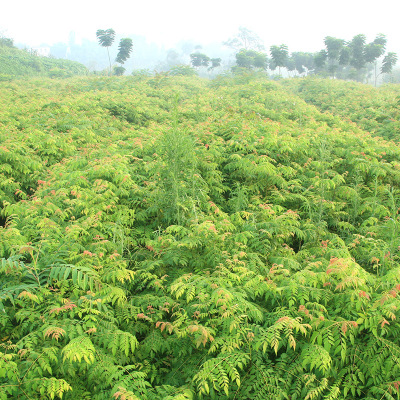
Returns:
(176,238)
(20,63)
(376,110)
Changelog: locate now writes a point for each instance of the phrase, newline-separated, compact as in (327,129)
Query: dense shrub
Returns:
(174,238)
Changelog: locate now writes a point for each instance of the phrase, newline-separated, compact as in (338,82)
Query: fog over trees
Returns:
(358,58)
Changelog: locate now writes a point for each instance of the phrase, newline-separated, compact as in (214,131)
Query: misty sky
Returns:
(301,25)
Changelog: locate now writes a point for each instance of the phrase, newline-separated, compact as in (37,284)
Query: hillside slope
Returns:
(18,63)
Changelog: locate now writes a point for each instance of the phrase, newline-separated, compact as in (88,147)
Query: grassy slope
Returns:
(229,233)
(15,62)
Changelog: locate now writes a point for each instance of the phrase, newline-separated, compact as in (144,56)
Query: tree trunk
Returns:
(109,60)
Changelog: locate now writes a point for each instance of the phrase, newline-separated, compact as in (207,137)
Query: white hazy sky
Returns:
(301,24)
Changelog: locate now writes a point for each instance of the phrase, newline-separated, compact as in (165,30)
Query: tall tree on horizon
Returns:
(279,55)
(245,39)
(251,59)
(374,50)
(199,60)
(304,61)
(106,39)
(215,63)
(357,59)
(124,52)
(388,63)
(333,49)
(320,60)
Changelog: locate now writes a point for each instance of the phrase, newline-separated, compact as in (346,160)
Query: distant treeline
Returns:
(355,59)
